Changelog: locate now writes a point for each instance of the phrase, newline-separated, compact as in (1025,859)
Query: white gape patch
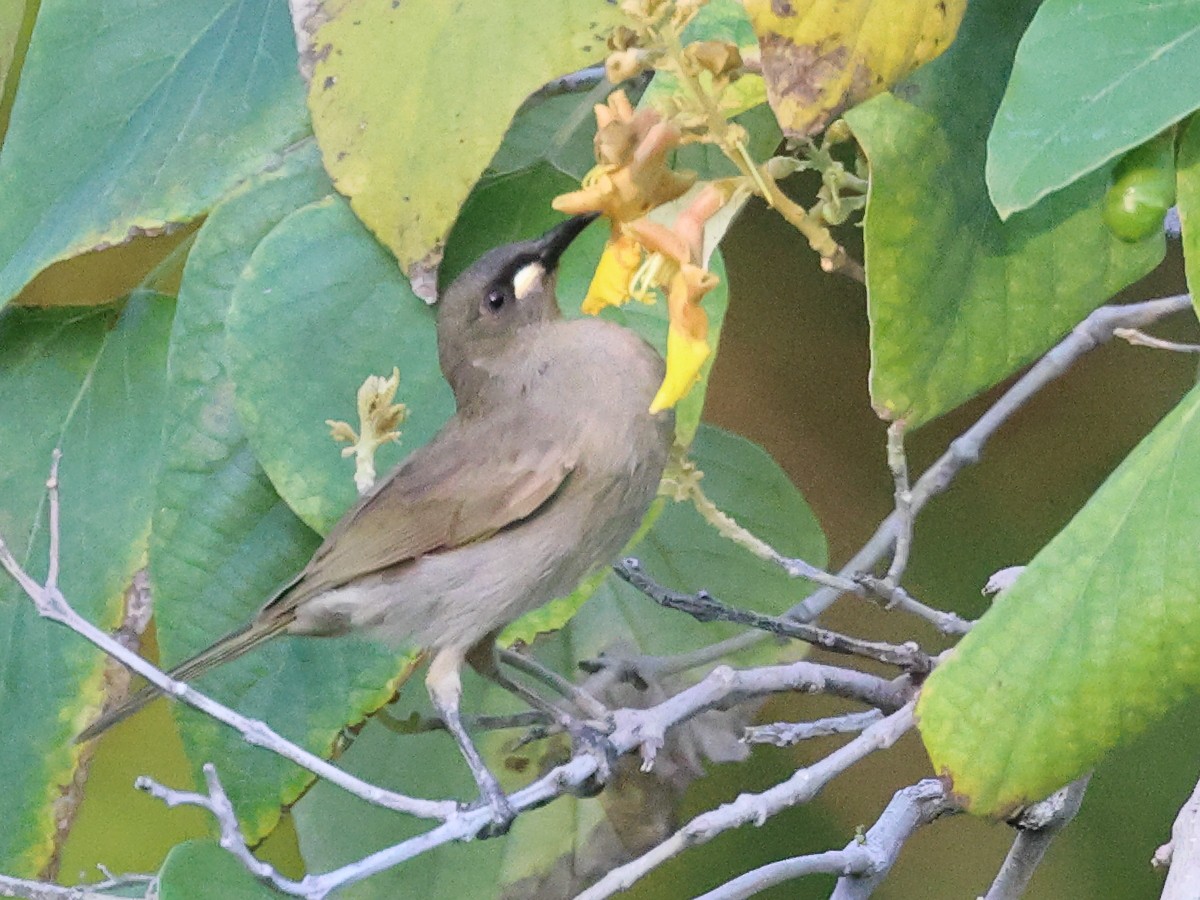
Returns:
(526,278)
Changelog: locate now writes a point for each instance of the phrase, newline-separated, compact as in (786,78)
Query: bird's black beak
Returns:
(552,244)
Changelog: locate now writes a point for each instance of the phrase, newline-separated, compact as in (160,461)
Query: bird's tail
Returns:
(229,647)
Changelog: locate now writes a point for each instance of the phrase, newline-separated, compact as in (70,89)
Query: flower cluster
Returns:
(632,178)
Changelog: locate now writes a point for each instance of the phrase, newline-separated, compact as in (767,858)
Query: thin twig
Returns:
(216,801)
(1093,331)
(854,858)
(52,605)
(1138,338)
(41,890)
(787,734)
(1038,825)
(898,464)
(756,808)
(1182,853)
(706,608)
(895,597)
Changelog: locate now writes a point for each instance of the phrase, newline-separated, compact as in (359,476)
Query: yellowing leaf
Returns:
(1095,640)
(820,57)
(410,100)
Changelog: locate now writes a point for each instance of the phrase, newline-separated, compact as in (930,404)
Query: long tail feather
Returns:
(229,647)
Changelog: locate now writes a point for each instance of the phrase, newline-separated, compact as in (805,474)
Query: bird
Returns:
(539,478)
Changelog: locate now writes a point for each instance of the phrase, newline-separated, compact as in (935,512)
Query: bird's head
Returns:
(503,291)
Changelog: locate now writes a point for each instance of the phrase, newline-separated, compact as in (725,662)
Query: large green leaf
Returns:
(410,100)
(320,308)
(1090,81)
(223,539)
(556,130)
(89,381)
(1097,637)
(134,114)
(958,299)
(1188,193)
(204,869)
(517,206)
(576,836)
(11,14)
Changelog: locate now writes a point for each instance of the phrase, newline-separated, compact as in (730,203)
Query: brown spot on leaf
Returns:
(799,73)
(782,8)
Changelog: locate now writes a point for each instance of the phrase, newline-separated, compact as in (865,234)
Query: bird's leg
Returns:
(484,659)
(584,701)
(445,690)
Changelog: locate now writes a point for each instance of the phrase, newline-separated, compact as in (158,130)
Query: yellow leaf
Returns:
(410,100)
(820,57)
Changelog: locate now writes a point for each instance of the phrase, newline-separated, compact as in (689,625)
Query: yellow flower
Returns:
(611,285)
(687,334)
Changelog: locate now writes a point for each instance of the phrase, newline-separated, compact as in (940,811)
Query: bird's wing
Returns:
(476,477)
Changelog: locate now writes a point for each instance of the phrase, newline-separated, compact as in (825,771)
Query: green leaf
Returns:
(411,100)
(223,540)
(1096,639)
(1089,82)
(957,299)
(12,12)
(555,130)
(202,869)
(517,206)
(91,383)
(134,115)
(577,837)
(319,309)
(1187,183)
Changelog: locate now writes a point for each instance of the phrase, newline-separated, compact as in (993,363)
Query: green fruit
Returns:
(1142,190)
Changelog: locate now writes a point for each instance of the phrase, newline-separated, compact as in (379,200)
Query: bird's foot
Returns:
(590,741)
(501,809)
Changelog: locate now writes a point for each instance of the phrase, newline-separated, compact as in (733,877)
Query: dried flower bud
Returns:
(622,38)
(624,64)
(718,57)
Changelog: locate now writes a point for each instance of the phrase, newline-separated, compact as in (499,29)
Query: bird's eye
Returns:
(496,299)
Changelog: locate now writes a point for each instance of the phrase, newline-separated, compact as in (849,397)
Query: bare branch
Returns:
(40,890)
(1038,824)
(896,597)
(786,734)
(52,605)
(1182,852)
(1093,331)
(706,608)
(216,801)
(898,463)
(1137,338)
(909,809)
(757,808)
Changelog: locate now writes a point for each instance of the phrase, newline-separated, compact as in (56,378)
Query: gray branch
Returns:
(1037,827)
(40,890)
(52,605)
(756,808)
(706,608)
(787,734)
(864,862)
(1182,853)
(1096,329)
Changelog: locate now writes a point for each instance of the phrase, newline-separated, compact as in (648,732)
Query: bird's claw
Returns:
(501,809)
(595,743)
